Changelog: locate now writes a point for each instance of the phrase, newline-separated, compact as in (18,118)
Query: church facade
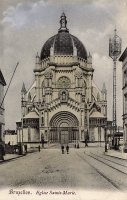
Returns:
(63,104)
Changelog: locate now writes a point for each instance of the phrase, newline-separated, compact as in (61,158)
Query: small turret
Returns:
(89,59)
(104,92)
(23,90)
(63,23)
(37,64)
(23,98)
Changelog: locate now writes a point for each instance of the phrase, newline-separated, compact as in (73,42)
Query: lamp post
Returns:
(21,134)
(114,52)
(105,128)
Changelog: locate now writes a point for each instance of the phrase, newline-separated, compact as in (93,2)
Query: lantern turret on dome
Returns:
(63,43)
(63,23)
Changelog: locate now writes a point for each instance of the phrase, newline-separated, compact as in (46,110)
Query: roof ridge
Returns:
(2,80)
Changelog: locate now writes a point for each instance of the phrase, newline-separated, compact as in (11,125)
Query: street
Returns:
(77,170)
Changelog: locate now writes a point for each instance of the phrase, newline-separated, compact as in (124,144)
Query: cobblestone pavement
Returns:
(51,169)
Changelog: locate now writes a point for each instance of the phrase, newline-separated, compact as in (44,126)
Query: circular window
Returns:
(64,82)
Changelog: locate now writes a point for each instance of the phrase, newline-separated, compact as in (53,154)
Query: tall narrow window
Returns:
(29,97)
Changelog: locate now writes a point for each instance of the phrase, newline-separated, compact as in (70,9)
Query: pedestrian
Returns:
(25,147)
(39,148)
(86,144)
(75,145)
(86,139)
(67,149)
(62,148)
(78,146)
(2,152)
(107,146)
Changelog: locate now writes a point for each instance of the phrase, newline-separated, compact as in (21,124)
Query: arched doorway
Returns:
(64,128)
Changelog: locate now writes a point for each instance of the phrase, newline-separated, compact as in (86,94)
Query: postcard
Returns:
(63,99)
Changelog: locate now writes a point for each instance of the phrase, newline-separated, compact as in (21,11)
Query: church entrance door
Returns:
(64,137)
(64,128)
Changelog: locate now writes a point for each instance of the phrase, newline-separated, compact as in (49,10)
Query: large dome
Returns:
(63,43)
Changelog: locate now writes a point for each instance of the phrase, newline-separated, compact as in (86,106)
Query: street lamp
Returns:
(105,128)
(21,134)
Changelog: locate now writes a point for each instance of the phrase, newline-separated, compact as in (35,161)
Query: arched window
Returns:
(42,121)
(63,95)
(79,82)
(84,88)
(43,89)
(29,97)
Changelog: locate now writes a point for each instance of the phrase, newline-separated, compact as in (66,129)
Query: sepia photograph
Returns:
(63,99)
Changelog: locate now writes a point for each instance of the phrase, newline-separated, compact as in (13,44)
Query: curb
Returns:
(115,157)
(5,161)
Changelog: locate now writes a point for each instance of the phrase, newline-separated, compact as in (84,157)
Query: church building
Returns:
(63,105)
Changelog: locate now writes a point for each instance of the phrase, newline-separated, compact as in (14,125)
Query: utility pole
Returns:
(114,52)
(9,84)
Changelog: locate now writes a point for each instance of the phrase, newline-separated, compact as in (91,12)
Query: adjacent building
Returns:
(10,137)
(63,104)
(2,120)
(123,59)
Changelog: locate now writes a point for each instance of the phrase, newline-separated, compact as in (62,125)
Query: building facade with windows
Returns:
(63,104)
(10,137)
(123,59)
(2,120)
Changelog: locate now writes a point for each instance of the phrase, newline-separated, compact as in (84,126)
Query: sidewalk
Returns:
(101,150)
(9,157)
(116,154)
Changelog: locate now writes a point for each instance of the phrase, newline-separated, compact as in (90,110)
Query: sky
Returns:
(25,25)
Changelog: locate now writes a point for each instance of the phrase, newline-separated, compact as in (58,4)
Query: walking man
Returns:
(67,149)
(39,148)
(25,147)
(86,139)
(62,148)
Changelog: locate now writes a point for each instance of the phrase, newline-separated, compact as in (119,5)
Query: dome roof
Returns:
(63,43)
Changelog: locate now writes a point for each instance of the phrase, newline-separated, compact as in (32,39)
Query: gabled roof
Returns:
(97,114)
(32,115)
(95,105)
(2,80)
